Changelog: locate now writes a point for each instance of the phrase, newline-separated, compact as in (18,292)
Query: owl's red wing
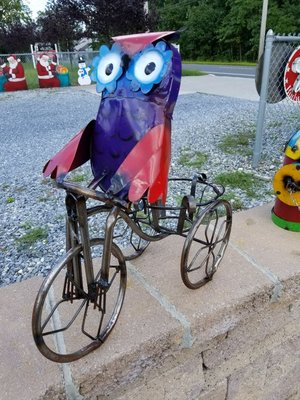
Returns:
(75,153)
(146,166)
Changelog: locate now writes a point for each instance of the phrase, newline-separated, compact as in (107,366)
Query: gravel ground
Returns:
(35,125)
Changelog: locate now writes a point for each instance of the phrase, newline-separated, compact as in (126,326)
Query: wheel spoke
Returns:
(66,326)
(209,267)
(208,228)
(189,268)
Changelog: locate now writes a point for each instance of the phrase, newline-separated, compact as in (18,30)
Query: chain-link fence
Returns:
(67,59)
(279,113)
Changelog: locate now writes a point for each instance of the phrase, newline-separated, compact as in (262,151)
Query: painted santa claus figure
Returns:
(46,72)
(15,75)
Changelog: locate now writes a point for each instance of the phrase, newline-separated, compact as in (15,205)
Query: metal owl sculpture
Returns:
(129,144)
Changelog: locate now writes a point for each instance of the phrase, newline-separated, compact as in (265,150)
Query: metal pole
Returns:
(56,51)
(263,28)
(146,7)
(263,100)
(32,55)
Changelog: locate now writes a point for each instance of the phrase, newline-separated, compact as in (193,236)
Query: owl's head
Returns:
(145,66)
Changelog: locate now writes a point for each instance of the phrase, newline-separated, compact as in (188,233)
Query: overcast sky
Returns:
(35,6)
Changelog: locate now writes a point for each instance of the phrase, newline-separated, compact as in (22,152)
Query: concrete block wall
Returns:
(257,359)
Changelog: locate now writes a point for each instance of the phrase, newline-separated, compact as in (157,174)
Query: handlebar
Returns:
(91,193)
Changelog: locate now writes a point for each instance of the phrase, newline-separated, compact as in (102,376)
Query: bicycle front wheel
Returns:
(70,318)
(205,244)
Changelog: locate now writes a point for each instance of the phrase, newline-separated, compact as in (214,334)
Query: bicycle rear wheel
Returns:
(69,318)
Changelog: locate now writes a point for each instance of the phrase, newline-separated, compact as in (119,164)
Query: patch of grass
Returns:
(192,72)
(270,193)
(237,143)
(78,177)
(235,202)
(233,63)
(177,200)
(240,180)
(32,236)
(32,78)
(33,83)
(191,158)
(10,200)
(141,215)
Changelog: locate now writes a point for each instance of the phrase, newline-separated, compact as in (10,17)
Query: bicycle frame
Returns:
(84,287)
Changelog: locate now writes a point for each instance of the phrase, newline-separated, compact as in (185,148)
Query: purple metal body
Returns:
(125,116)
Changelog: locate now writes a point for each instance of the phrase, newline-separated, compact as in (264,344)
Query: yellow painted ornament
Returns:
(286,184)
(292,149)
(61,69)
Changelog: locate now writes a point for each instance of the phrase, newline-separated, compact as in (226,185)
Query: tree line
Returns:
(211,29)
(225,29)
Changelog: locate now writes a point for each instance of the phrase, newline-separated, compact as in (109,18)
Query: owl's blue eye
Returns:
(107,68)
(148,67)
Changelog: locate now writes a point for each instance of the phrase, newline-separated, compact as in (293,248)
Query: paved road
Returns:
(240,88)
(224,70)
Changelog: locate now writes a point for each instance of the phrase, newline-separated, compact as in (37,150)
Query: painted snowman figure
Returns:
(83,72)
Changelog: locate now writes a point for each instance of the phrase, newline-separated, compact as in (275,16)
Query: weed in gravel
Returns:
(78,177)
(245,181)
(10,200)
(32,236)
(235,202)
(238,143)
(191,158)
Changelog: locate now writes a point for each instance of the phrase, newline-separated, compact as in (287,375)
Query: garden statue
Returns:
(46,72)
(129,143)
(83,73)
(286,184)
(129,148)
(14,73)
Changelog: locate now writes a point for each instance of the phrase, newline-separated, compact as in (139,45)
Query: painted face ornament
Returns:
(129,144)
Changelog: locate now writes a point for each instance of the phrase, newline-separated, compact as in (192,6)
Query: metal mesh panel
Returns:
(282,114)
(279,115)
(67,59)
